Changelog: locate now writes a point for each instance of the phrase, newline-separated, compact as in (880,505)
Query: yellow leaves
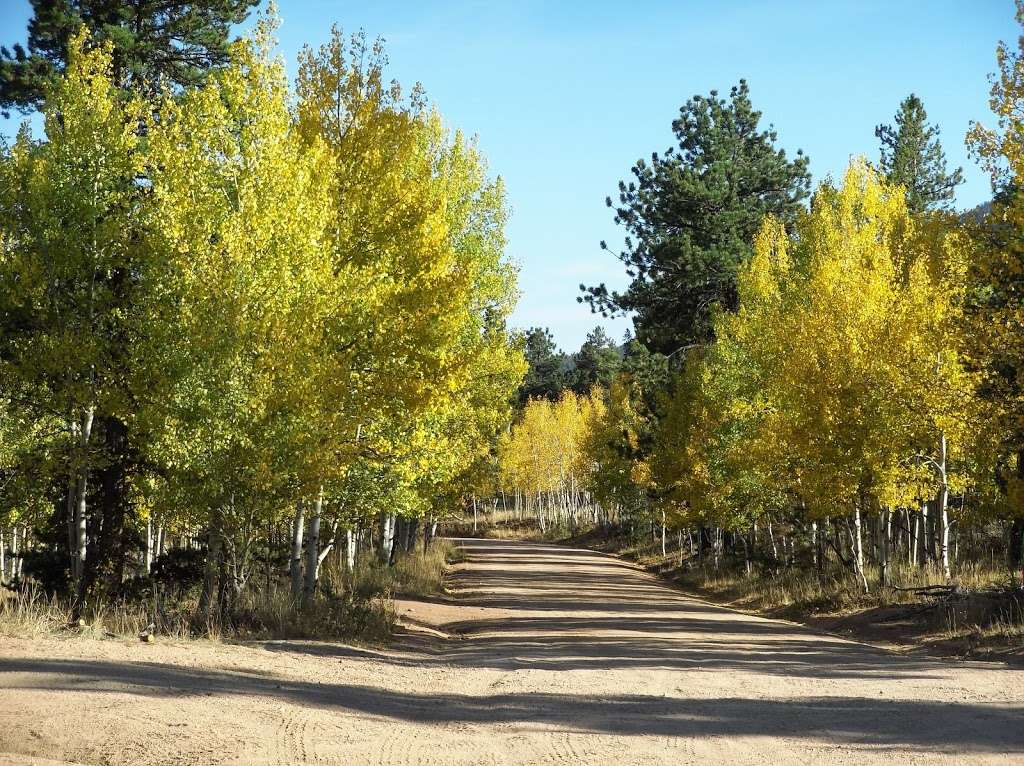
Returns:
(843,360)
(548,448)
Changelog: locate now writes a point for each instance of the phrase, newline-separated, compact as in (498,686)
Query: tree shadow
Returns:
(952,727)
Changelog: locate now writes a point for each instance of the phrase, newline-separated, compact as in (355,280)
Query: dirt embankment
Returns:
(543,655)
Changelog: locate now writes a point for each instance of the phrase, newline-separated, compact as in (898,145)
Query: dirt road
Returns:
(554,656)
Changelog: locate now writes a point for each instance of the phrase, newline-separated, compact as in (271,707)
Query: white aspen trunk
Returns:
(389,541)
(943,507)
(78,560)
(161,540)
(679,545)
(922,535)
(771,536)
(3,559)
(883,548)
(474,514)
(913,528)
(25,546)
(313,549)
(814,545)
(663,552)
(350,550)
(149,545)
(385,524)
(858,557)
(298,528)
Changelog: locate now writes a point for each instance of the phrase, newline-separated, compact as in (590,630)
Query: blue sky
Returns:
(566,96)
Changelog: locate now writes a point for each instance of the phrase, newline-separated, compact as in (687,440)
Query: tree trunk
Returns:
(858,557)
(922,536)
(1016,546)
(69,519)
(815,547)
(313,549)
(386,521)
(883,548)
(15,569)
(942,503)
(914,540)
(81,479)
(350,550)
(3,560)
(410,535)
(105,564)
(209,600)
(149,544)
(298,527)
(397,530)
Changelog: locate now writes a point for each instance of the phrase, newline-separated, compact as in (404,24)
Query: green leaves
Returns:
(691,215)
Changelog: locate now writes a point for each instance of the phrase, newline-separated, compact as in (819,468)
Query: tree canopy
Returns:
(912,156)
(691,214)
(158,42)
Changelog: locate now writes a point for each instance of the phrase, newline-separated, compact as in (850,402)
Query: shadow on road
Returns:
(547,608)
(879,723)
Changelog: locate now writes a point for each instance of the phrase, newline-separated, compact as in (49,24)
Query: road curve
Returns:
(552,655)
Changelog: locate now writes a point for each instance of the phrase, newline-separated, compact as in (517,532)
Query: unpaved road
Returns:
(556,656)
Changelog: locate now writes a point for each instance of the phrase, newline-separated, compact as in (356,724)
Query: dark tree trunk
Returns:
(105,562)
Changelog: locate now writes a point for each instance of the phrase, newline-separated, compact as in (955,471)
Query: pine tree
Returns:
(173,42)
(597,361)
(912,156)
(546,372)
(691,216)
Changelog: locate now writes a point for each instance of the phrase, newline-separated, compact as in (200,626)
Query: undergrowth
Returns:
(354,606)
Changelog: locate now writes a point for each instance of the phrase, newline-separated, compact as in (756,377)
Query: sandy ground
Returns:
(547,655)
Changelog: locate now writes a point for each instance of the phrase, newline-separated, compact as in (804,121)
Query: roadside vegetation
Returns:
(253,337)
(352,604)
(821,410)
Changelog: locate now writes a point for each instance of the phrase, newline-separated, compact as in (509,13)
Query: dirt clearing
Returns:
(546,655)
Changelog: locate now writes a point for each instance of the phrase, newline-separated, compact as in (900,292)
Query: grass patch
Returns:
(415,574)
(355,606)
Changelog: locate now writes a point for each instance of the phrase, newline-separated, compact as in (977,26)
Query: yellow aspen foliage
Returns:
(997,275)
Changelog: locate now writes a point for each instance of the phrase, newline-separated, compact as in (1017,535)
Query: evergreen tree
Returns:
(597,361)
(157,41)
(912,156)
(691,216)
(546,371)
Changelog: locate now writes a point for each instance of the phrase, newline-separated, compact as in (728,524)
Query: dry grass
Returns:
(259,614)
(987,620)
(418,573)
(835,591)
(355,606)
